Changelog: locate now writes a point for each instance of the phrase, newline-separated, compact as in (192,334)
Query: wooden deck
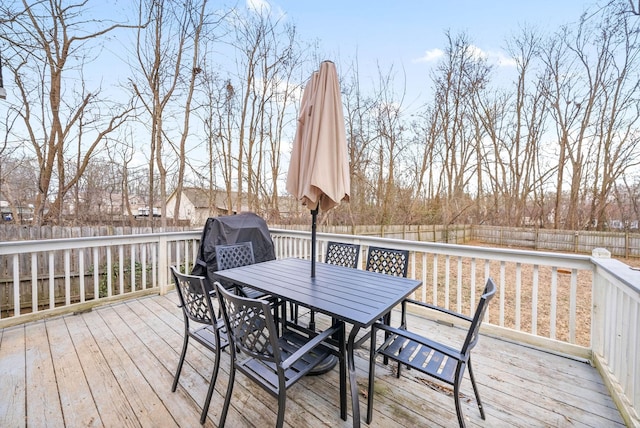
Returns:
(114,366)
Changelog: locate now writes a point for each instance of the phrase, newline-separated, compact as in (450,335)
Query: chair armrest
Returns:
(444,349)
(438,309)
(310,345)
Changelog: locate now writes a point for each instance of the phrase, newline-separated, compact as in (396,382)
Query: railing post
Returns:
(598,302)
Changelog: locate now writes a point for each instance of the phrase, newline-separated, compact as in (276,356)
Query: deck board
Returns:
(12,372)
(43,403)
(114,366)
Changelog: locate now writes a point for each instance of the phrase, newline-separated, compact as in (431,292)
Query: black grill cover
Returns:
(231,230)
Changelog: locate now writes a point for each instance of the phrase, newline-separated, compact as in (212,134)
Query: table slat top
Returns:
(353,295)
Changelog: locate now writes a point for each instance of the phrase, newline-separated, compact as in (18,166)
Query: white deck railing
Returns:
(585,307)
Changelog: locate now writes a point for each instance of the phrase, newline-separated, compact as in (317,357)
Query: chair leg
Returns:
(372,375)
(212,384)
(456,397)
(282,402)
(182,355)
(227,398)
(475,390)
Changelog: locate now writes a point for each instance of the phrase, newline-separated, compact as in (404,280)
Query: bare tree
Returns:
(48,45)
(515,126)
(390,142)
(593,70)
(196,23)
(457,80)
(161,43)
(361,134)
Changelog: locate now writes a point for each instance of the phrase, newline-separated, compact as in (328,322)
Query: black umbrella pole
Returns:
(314,217)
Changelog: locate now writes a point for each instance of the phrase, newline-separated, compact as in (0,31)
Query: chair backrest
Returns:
(388,260)
(478,316)
(234,255)
(250,325)
(194,300)
(342,254)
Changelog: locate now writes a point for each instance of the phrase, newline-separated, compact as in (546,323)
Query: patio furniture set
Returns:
(273,348)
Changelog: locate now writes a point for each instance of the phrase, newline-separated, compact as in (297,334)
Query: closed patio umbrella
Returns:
(319,169)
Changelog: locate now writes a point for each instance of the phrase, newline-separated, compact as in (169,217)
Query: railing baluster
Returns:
(434,271)
(473,285)
(16,285)
(121,269)
(487,274)
(447,275)
(573,306)
(459,286)
(34,283)
(534,300)
(109,273)
(144,266)
(502,291)
(52,279)
(81,275)
(67,277)
(96,274)
(518,295)
(132,266)
(154,265)
(554,302)
(424,277)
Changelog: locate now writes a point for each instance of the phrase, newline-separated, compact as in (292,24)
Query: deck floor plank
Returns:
(12,372)
(78,406)
(120,360)
(151,357)
(112,403)
(43,402)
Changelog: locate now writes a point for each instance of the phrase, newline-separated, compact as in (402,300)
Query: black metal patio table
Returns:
(354,296)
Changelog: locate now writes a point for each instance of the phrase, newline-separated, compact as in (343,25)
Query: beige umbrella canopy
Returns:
(319,169)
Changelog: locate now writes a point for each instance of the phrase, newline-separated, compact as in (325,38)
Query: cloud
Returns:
(503,60)
(430,56)
(477,53)
(258,5)
(497,58)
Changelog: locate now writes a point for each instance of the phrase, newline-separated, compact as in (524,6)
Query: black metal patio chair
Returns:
(388,261)
(433,358)
(342,254)
(230,256)
(275,362)
(197,308)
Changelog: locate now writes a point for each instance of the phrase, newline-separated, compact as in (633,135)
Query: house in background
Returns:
(196,204)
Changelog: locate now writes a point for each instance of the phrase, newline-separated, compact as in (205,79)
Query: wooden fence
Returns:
(13,232)
(454,234)
(620,244)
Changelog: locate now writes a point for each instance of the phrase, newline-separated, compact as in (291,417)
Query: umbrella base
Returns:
(325,366)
